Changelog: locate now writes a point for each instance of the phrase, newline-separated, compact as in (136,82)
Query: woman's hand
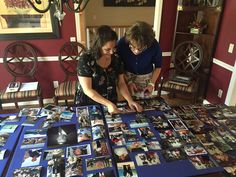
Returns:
(149,89)
(132,87)
(135,106)
(112,109)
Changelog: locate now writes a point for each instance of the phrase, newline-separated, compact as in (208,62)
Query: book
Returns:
(28,86)
(181,80)
(13,87)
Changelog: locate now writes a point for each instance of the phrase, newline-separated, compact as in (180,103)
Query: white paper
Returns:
(28,86)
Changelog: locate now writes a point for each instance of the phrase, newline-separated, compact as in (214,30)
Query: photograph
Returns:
(2,153)
(187,136)
(73,166)
(194,149)
(177,124)
(56,167)
(50,154)
(117,138)
(121,154)
(137,146)
(3,139)
(147,158)
(171,143)
(202,162)
(137,123)
(127,169)
(146,133)
(113,118)
(61,136)
(100,148)
(173,154)
(98,132)
(84,134)
(78,150)
(98,163)
(66,116)
(31,120)
(84,120)
(153,145)
(33,142)
(108,173)
(29,112)
(117,127)
(165,134)
(28,171)
(32,157)
(8,128)
(130,135)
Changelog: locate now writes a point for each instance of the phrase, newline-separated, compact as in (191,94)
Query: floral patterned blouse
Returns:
(104,81)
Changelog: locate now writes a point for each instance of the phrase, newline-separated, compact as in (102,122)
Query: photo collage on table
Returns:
(80,142)
(71,144)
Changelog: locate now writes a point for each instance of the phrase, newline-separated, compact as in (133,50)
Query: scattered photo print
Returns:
(29,112)
(138,146)
(79,150)
(146,133)
(187,109)
(177,124)
(73,166)
(212,149)
(33,142)
(153,145)
(159,122)
(29,171)
(9,119)
(56,167)
(66,116)
(109,173)
(2,153)
(32,157)
(194,149)
(201,162)
(121,155)
(3,139)
(227,137)
(196,126)
(98,132)
(98,163)
(188,117)
(165,134)
(29,133)
(31,120)
(170,114)
(127,169)
(224,159)
(8,128)
(83,117)
(84,134)
(130,135)
(204,139)
(117,138)
(231,170)
(100,148)
(173,154)
(50,154)
(229,111)
(147,158)
(171,143)
(177,110)
(187,136)
(97,122)
(138,123)
(117,127)
(61,136)
(113,118)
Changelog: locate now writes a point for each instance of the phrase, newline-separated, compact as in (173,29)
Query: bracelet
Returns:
(150,83)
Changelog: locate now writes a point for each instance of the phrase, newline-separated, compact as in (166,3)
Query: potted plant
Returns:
(197,26)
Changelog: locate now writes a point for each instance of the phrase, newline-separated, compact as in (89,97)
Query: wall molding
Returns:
(223,64)
(55,58)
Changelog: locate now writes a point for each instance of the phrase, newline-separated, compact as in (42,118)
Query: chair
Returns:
(183,78)
(20,60)
(68,57)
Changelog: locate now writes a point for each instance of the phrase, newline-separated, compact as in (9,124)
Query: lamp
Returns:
(73,6)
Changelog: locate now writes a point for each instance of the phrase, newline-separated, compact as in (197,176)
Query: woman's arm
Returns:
(125,93)
(86,84)
(151,85)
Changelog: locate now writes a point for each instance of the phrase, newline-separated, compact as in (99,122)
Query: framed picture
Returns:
(18,20)
(129,3)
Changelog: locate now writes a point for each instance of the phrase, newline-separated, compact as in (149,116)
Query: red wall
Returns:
(46,71)
(220,77)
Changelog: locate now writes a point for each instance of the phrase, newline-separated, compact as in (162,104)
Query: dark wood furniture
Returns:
(183,77)
(68,57)
(20,60)
(199,21)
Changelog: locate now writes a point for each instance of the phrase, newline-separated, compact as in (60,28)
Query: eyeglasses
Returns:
(139,50)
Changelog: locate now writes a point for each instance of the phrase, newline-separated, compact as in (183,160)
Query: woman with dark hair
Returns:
(142,57)
(100,72)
